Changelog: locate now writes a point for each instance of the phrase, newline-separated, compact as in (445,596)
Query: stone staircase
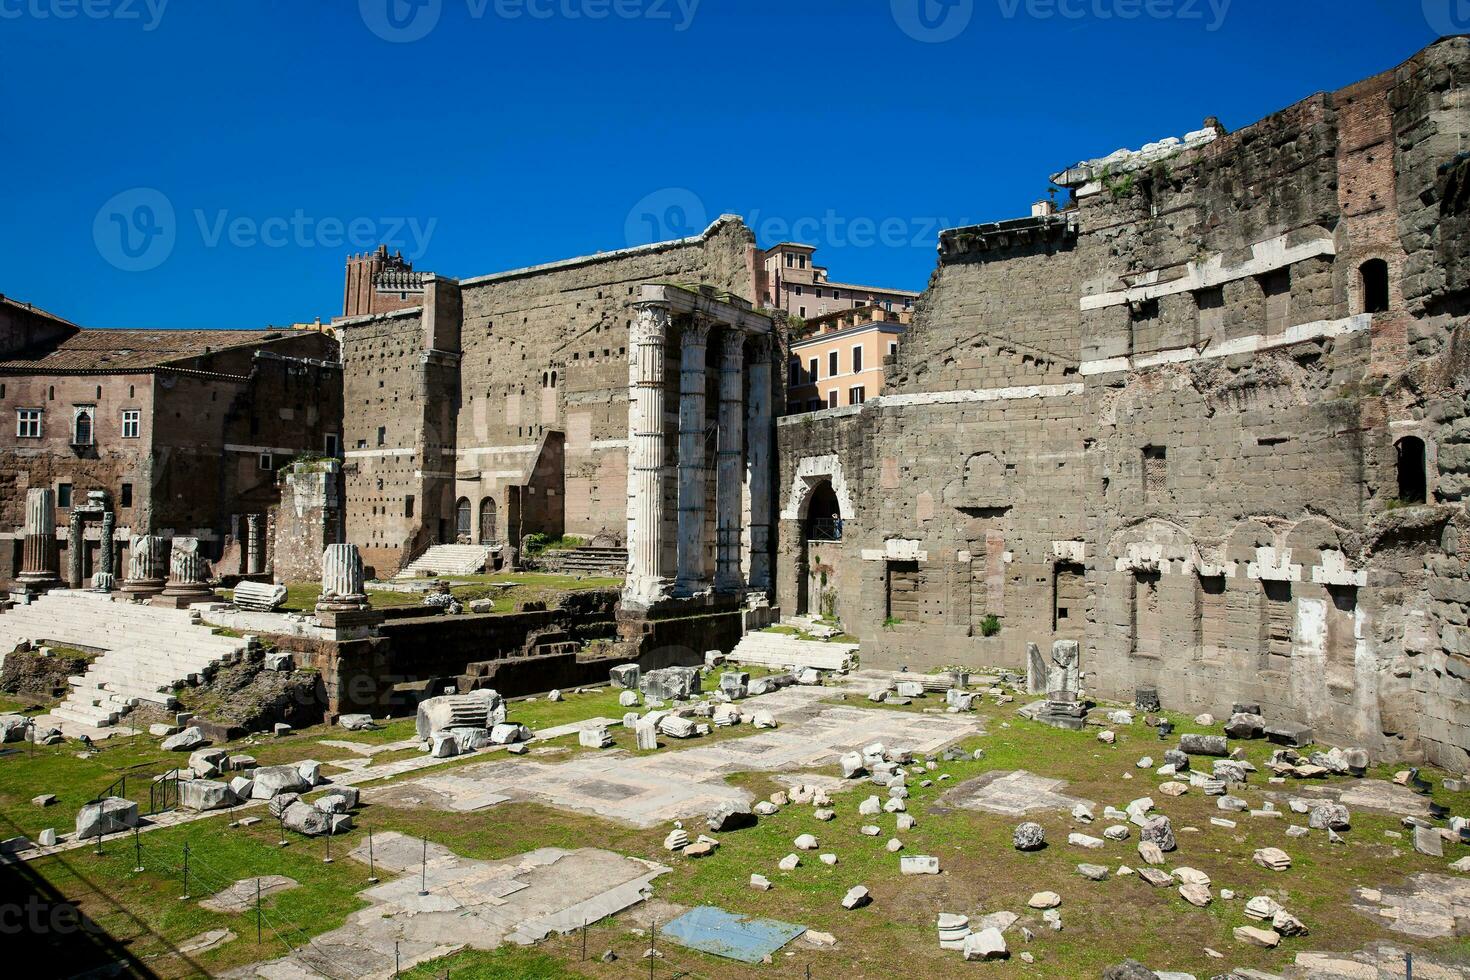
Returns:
(766,649)
(448,559)
(589,560)
(147,650)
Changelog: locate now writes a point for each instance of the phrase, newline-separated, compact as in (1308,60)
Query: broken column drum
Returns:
(38,556)
(147,566)
(342,587)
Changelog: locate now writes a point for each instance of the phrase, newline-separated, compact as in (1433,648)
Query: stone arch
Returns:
(812,471)
(489,532)
(462,528)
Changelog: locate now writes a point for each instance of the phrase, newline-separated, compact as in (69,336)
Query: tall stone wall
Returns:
(1174,423)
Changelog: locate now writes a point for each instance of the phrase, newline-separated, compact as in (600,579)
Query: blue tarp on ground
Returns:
(736,937)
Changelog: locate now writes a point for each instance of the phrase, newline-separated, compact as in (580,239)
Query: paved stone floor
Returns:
(1428,905)
(1010,794)
(472,903)
(648,790)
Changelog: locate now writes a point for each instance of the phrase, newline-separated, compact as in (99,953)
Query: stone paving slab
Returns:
(1009,794)
(1427,905)
(471,903)
(650,790)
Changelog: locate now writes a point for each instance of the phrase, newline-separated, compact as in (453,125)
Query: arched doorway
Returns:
(821,523)
(487,521)
(462,520)
(1413,474)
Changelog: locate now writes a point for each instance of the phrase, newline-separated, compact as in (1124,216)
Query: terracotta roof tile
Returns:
(90,350)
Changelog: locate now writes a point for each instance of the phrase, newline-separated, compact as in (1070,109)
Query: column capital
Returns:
(732,346)
(650,322)
(696,331)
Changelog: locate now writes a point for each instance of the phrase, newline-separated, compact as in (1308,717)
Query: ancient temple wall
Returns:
(546,349)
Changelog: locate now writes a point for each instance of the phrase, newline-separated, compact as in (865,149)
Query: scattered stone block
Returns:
(1093,872)
(185,741)
(1272,858)
(760,883)
(1265,938)
(856,898)
(988,944)
(1191,744)
(918,864)
(1045,900)
(1029,836)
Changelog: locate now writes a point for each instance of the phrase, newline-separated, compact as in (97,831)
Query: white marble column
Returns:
(342,587)
(758,462)
(729,478)
(38,550)
(147,566)
(254,544)
(647,445)
(692,462)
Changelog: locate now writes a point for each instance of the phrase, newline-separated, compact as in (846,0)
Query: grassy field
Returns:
(1104,921)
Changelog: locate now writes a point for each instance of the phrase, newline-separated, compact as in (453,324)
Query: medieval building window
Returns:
(329,443)
(462,519)
(131,422)
(125,496)
(798,291)
(1276,290)
(1413,478)
(28,423)
(408,506)
(382,435)
(857,359)
(63,494)
(1373,280)
(832,366)
(267,462)
(51,393)
(81,430)
(1155,473)
(801,311)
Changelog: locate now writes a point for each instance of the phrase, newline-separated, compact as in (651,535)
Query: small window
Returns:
(832,364)
(856,396)
(1373,276)
(28,423)
(408,506)
(63,494)
(795,370)
(1412,473)
(801,311)
(382,435)
(81,431)
(857,359)
(1155,472)
(893,348)
(132,420)
(798,290)
(125,496)
(267,462)
(330,444)
(832,398)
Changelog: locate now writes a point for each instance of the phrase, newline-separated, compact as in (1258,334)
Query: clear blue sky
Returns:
(521,131)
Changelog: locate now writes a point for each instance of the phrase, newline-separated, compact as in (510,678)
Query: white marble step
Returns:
(782,649)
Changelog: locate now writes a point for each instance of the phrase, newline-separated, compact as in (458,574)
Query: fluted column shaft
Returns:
(38,551)
(647,445)
(254,545)
(692,462)
(758,462)
(729,482)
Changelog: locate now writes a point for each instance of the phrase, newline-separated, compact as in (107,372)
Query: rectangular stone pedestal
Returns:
(350,624)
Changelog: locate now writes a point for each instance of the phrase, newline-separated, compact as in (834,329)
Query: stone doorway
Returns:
(487,521)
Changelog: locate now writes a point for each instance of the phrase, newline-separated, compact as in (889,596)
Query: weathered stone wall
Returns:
(308,519)
(1169,422)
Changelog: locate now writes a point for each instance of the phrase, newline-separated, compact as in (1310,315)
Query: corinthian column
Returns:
(105,578)
(691,455)
(647,445)
(254,545)
(758,463)
(729,486)
(188,576)
(38,552)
